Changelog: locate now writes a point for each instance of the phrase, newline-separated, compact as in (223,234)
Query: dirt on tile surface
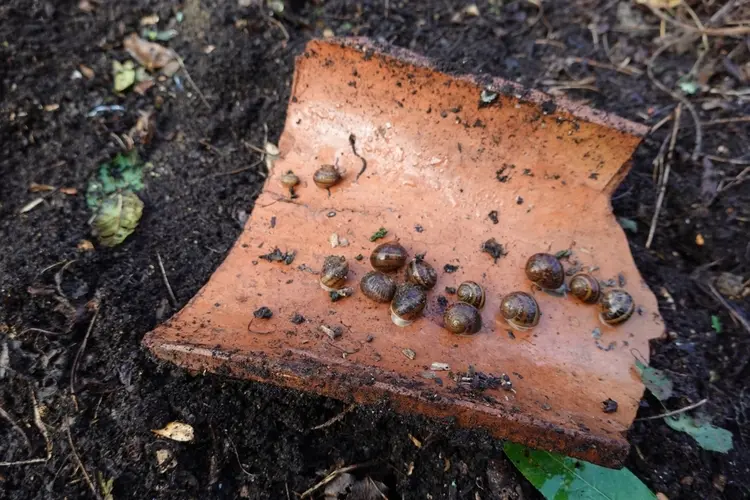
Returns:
(257,441)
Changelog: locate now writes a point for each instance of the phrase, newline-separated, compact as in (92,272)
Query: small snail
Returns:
(408,303)
(378,286)
(289,179)
(546,271)
(616,306)
(462,318)
(585,288)
(388,257)
(333,274)
(421,273)
(327,176)
(520,310)
(471,293)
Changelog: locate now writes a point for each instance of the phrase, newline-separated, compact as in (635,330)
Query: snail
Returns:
(327,176)
(520,310)
(616,306)
(585,288)
(462,318)
(333,274)
(421,273)
(378,286)
(546,271)
(407,304)
(388,257)
(289,179)
(471,293)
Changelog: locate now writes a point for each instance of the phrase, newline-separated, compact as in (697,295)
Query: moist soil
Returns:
(254,440)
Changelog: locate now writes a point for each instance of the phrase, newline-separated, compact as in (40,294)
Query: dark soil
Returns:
(253,440)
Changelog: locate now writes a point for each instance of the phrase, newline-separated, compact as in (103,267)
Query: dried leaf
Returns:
(39,188)
(148,54)
(150,20)
(117,218)
(87,72)
(176,431)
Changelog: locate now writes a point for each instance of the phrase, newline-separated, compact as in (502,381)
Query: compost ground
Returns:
(254,440)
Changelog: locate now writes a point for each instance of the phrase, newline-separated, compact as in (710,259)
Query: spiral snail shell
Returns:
(462,318)
(289,179)
(407,304)
(616,306)
(421,273)
(520,310)
(326,176)
(388,257)
(472,293)
(546,271)
(377,286)
(334,272)
(585,288)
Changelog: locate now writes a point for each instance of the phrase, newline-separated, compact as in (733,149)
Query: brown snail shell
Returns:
(327,176)
(585,288)
(334,272)
(462,318)
(407,304)
(289,179)
(472,293)
(616,306)
(546,271)
(388,257)
(378,286)
(421,273)
(520,310)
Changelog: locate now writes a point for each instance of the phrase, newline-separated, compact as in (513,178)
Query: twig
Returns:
(731,161)
(78,461)
(719,121)
(374,485)
(286,487)
(15,427)
(39,330)
(23,462)
(278,24)
(624,70)
(660,123)
(335,419)
(675,412)
(330,477)
(665,177)
(650,72)
(192,83)
(237,455)
(233,172)
(737,31)
(735,314)
(738,179)
(166,280)
(40,425)
(77,359)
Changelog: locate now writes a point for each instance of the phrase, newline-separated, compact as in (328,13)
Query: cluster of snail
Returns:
(546,271)
(519,309)
(325,177)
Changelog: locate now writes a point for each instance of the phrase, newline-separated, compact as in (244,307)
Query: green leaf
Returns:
(124,74)
(563,478)
(117,218)
(709,436)
(716,323)
(380,233)
(628,224)
(655,381)
(123,173)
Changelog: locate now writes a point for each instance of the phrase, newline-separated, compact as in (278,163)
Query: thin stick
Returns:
(738,31)
(40,425)
(382,495)
(731,161)
(665,178)
(15,427)
(77,359)
(335,419)
(39,330)
(330,477)
(233,172)
(660,123)
(591,62)
(78,461)
(719,121)
(23,462)
(735,314)
(192,83)
(237,455)
(166,280)
(675,412)
(650,72)
(286,487)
